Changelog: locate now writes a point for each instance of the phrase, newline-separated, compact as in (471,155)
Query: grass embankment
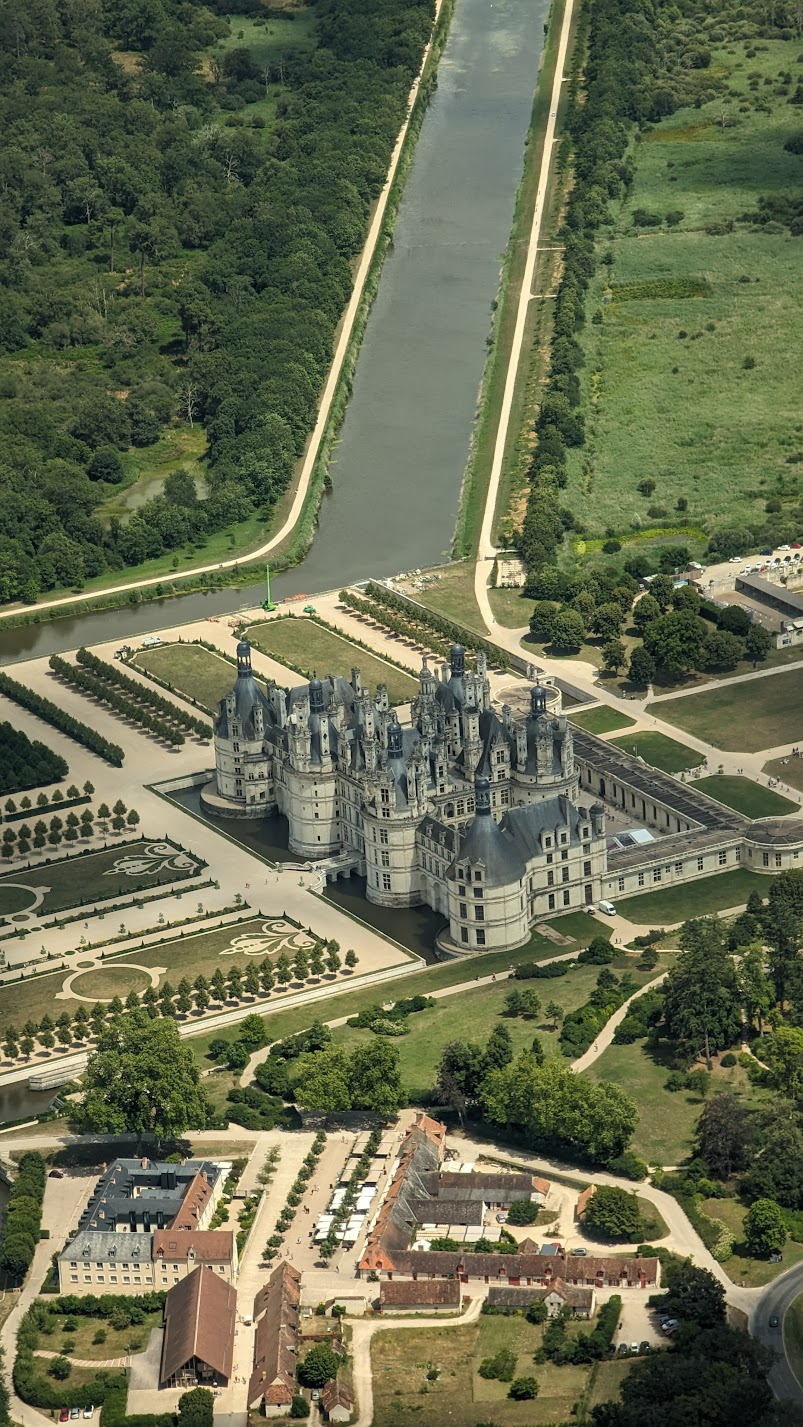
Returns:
(760,713)
(793,1337)
(191,670)
(746,796)
(576,927)
(693,899)
(312,648)
(742,1267)
(478,469)
(684,388)
(660,751)
(474,1013)
(667,1119)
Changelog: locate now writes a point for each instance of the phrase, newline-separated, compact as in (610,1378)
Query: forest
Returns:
(177,229)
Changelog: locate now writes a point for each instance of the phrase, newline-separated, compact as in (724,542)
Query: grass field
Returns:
(306,645)
(742,1267)
(746,796)
(667,1119)
(660,751)
(693,899)
(790,772)
(95,876)
(118,1340)
(473,1014)
(451,594)
(761,713)
(195,672)
(402,1392)
(510,607)
(793,1336)
(666,388)
(602,719)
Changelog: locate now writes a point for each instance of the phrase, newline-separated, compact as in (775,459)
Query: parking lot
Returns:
(638,1323)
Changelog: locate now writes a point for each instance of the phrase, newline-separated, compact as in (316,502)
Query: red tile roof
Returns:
(199,1192)
(273,1377)
(200,1315)
(428,1292)
(206,1245)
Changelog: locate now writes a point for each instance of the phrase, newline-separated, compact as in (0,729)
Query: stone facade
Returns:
(470,813)
(496,822)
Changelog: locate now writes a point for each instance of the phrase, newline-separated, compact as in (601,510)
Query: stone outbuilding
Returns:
(199,1319)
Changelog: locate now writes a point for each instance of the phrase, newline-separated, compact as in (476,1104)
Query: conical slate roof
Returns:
(247,697)
(485,842)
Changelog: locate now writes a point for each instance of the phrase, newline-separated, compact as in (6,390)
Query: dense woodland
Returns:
(170,254)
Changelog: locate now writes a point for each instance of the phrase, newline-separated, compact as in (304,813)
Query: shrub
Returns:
(522,1212)
(728,1060)
(60,1369)
(502,1366)
(629,1165)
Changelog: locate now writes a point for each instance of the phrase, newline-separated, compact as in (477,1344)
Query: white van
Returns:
(608,908)
(150,640)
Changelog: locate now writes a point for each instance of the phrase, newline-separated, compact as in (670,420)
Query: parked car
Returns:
(75,1412)
(623,1350)
(774,1320)
(501,1218)
(64,1415)
(56,1174)
(608,908)
(776,1258)
(89,1410)
(644,1346)
(315,1394)
(578,1253)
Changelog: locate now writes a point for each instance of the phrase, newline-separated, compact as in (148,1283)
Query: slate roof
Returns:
(483,1186)
(199,1319)
(393,1231)
(336,1394)
(525,825)
(487,843)
(248,696)
(148,1192)
(99,1246)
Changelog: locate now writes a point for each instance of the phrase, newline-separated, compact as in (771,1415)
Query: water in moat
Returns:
(400,460)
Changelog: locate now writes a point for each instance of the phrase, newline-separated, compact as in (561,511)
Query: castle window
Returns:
(641,879)
(678,869)
(464,934)
(777,859)
(739,854)
(386,881)
(567,896)
(385,859)
(477,876)
(550,879)
(504,798)
(383,835)
(463,909)
(478,891)
(586,869)
(723,857)
(700,863)
(480,937)
(479,914)
(549,859)
(620,885)
(564,875)
(656,874)
(461,807)
(765,858)
(547,842)
(551,901)
(564,857)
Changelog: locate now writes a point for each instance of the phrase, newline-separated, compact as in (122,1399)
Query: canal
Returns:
(399,464)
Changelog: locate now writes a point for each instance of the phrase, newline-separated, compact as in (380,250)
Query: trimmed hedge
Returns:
(51,713)
(24,1216)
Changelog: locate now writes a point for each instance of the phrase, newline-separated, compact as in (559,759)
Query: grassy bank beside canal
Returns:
(478,468)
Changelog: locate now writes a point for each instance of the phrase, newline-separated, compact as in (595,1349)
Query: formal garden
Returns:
(52,886)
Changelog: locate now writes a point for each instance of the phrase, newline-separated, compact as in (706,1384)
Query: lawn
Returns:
(742,1267)
(402,1392)
(602,719)
(759,713)
(664,375)
(667,1119)
(201,676)
(693,899)
(511,608)
(473,1014)
(312,648)
(787,770)
(90,877)
(660,751)
(118,1340)
(746,796)
(271,37)
(793,1336)
(450,592)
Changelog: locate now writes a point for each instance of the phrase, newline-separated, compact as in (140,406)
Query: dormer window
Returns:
(547,842)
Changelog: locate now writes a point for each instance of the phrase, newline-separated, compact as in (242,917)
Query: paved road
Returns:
(775,1299)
